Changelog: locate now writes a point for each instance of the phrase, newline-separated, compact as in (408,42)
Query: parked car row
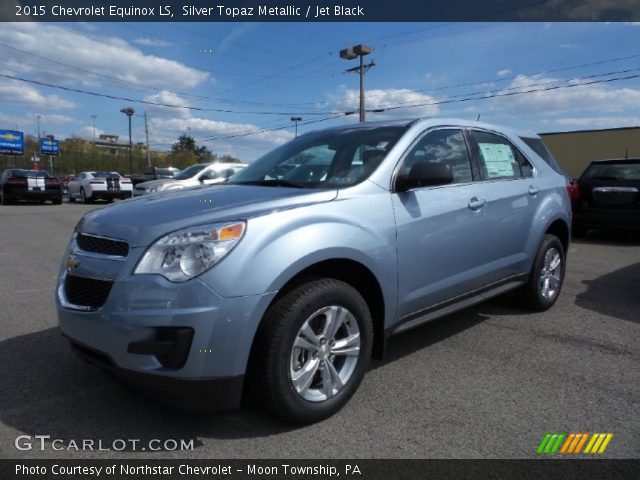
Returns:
(87,187)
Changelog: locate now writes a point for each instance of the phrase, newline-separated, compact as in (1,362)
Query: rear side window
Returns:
(543,152)
(499,159)
(442,146)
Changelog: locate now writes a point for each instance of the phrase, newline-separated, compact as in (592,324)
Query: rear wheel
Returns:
(83,196)
(3,199)
(313,351)
(547,275)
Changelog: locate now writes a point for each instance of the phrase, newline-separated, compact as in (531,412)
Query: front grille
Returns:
(89,243)
(86,292)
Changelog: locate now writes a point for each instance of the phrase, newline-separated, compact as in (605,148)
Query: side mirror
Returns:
(425,174)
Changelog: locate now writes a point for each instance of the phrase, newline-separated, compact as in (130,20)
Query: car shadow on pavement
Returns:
(619,238)
(406,343)
(614,294)
(48,390)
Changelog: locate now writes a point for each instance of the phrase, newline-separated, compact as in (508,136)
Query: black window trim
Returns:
(475,151)
(474,172)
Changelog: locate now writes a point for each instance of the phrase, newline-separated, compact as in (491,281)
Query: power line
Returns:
(148,102)
(506,94)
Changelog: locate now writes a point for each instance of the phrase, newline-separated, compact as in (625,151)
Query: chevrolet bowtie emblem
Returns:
(72,263)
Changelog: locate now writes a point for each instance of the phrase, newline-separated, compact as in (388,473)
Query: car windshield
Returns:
(621,172)
(328,159)
(105,174)
(188,172)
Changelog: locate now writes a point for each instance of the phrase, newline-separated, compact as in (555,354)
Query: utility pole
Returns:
(354,52)
(129,113)
(146,132)
(296,120)
(94,128)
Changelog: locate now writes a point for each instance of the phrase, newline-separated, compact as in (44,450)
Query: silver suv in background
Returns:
(285,280)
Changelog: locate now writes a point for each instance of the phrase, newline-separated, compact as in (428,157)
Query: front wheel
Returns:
(547,275)
(314,349)
(83,196)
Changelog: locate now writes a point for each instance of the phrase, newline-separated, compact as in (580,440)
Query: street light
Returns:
(129,113)
(355,52)
(296,120)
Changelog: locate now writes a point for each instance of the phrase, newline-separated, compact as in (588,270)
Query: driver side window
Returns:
(446,147)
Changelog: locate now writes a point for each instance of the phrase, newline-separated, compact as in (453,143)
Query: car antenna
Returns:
(478,118)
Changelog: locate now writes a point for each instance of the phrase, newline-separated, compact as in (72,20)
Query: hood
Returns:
(143,219)
(155,183)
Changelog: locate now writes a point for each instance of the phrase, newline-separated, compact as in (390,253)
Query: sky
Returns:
(234,87)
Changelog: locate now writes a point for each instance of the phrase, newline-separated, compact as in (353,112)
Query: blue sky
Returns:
(294,69)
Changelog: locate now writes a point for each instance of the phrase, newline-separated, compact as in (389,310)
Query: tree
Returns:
(186,145)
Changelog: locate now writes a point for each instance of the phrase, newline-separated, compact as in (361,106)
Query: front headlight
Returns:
(186,253)
(151,189)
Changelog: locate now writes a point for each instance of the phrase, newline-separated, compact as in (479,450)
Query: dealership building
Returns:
(575,150)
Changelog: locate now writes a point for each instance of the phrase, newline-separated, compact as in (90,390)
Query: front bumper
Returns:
(202,394)
(138,307)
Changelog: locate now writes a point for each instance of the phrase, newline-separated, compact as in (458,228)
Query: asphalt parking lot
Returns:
(488,382)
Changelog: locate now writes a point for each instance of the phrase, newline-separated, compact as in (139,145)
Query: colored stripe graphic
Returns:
(598,442)
(572,443)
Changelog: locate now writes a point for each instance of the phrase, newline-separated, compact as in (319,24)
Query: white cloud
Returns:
(87,132)
(152,42)
(599,97)
(104,55)
(504,72)
(167,97)
(349,100)
(25,94)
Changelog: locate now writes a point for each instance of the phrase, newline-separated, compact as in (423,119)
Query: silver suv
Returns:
(288,278)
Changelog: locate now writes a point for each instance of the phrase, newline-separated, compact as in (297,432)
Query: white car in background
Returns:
(194,175)
(90,186)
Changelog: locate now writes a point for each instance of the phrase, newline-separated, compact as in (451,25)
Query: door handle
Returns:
(476,203)
(533,190)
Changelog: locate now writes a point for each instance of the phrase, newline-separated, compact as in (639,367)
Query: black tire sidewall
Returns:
(324,293)
(538,301)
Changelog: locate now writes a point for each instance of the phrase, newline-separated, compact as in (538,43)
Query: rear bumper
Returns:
(110,195)
(628,219)
(212,394)
(33,194)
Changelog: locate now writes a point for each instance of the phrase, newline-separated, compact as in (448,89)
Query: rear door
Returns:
(513,193)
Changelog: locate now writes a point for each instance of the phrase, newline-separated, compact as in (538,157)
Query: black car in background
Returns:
(32,185)
(607,195)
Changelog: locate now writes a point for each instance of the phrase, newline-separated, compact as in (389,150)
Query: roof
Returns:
(434,122)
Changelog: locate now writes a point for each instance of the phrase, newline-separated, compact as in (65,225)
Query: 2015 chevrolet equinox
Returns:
(289,277)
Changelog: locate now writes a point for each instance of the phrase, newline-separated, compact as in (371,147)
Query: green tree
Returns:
(186,152)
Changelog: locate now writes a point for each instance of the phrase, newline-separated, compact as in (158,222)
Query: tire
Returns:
(70,197)
(295,339)
(58,201)
(83,197)
(3,200)
(546,277)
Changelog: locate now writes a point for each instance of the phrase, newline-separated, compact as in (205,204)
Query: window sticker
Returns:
(498,159)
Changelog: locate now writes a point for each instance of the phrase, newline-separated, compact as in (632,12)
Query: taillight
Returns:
(17,181)
(97,182)
(51,181)
(574,190)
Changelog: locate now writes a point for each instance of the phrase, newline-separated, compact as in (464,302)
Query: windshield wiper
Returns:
(269,183)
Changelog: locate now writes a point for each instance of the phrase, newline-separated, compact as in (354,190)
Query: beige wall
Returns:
(575,150)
